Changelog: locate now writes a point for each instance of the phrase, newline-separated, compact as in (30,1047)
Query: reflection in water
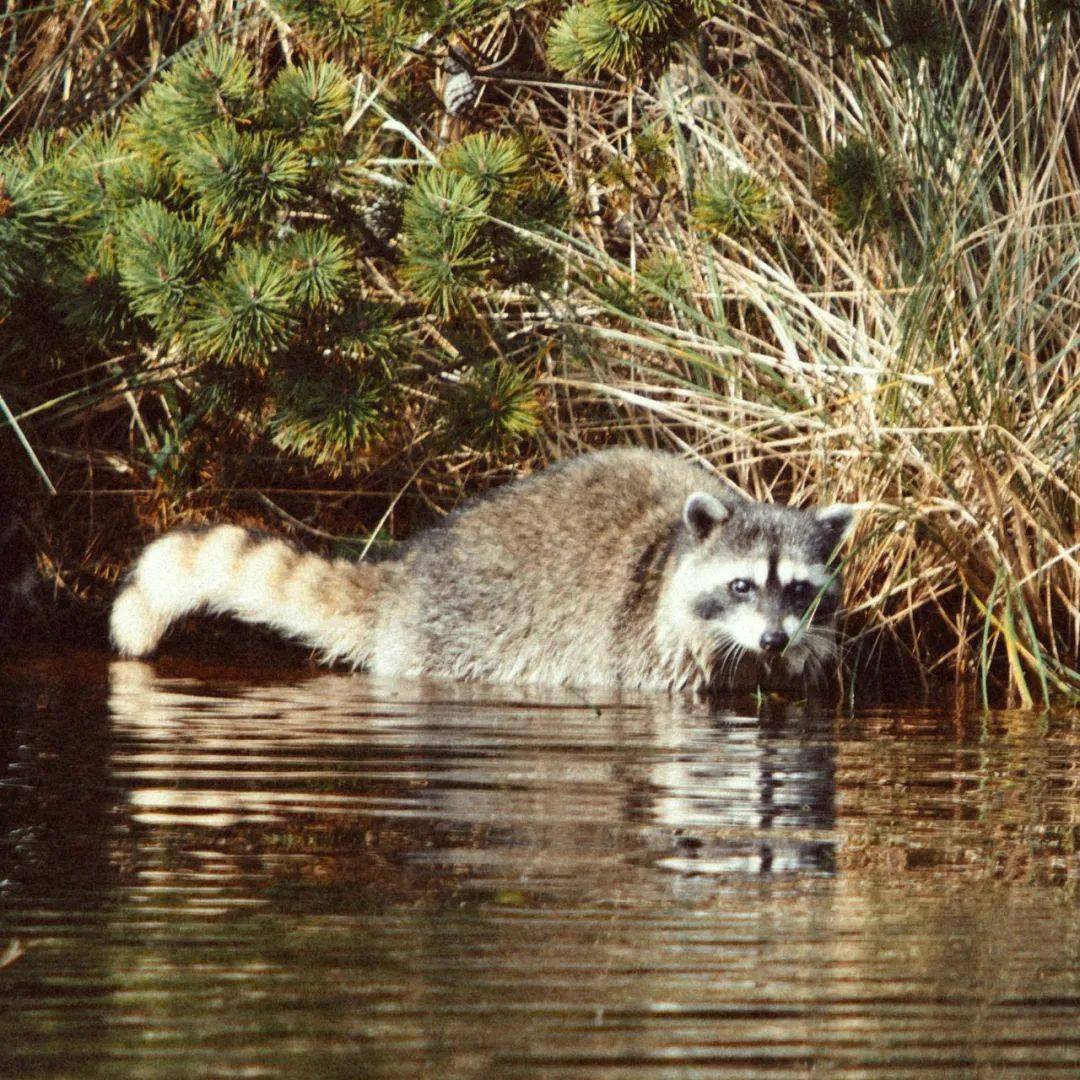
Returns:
(215,874)
(687,790)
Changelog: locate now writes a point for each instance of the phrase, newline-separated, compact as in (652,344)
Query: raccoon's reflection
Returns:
(760,800)
(529,788)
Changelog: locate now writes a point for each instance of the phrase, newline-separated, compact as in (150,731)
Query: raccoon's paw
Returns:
(135,627)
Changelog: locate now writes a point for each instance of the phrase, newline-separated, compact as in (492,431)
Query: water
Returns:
(258,872)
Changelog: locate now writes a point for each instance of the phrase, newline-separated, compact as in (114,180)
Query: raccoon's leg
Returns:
(329,604)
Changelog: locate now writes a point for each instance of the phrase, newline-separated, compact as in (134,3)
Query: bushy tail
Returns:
(224,569)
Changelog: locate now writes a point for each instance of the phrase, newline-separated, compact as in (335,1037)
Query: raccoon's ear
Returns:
(834,523)
(702,512)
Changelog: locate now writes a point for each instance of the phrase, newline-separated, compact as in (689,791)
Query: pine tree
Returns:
(735,204)
(624,36)
(860,180)
(229,220)
(29,214)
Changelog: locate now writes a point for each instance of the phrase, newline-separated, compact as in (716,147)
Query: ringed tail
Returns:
(227,570)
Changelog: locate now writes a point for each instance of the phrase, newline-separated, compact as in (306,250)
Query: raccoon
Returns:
(628,568)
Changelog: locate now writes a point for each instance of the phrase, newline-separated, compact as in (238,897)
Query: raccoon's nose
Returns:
(773,640)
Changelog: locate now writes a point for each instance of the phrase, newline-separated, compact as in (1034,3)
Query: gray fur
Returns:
(614,568)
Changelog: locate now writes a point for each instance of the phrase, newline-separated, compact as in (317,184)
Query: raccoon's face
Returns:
(757,580)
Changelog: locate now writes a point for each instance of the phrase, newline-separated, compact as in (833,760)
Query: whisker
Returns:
(724,652)
(732,659)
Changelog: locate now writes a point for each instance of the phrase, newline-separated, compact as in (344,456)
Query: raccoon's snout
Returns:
(772,641)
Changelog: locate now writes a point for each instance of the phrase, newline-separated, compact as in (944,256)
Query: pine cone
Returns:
(382,216)
(460,90)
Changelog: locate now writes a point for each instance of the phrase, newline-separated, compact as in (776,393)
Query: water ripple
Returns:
(225,873)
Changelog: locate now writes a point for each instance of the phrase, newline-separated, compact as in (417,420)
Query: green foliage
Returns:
(445,251)
(329,420)
(652,152)
(444,208)
(217,222)
(387,29)
(319,266)
(469,222)
(28,216)
(240,174)
(733,203)
(308,103)
(493,407)
(89,294)
(442,275)
(543,205)
(335,24)
(226,221)
(369,333)
(160,258)
(861,181)
(587,40)
(214,84)
(499,164)
(623,36)
(666,274)
(246,313)
(641,16)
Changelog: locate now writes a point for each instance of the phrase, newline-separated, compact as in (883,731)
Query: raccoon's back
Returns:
(532,584)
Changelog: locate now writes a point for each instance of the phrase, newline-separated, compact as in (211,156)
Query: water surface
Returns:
(257,872)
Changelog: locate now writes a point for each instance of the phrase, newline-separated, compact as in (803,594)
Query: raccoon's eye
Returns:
(803,591)
(741,587)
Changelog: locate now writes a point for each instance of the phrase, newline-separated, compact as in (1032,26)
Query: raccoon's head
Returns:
(756,580)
